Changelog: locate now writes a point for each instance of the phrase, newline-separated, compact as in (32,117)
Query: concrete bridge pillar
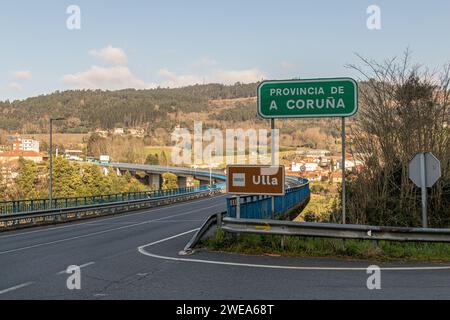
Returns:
(155,180)
(182,182)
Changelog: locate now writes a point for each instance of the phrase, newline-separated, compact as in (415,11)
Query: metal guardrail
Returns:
(331,230)
(58,215)
(260,207)
(214,219)
(32,205)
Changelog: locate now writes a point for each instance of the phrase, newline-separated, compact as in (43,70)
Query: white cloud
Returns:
(15,86)
(172,79)
(110,55)
(106,78)
(23,74)
(244,76)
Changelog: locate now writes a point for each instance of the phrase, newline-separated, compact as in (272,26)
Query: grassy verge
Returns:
(323,247)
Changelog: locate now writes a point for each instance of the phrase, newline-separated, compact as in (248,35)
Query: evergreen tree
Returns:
(94,181)
(26,179)
(67,180)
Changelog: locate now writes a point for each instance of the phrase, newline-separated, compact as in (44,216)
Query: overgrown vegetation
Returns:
(169,181)
(323,201)
(323,247)
(404,110)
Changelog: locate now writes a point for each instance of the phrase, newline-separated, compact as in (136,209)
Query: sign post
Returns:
(343,170)
(310,98)
(424,171)
(272,151)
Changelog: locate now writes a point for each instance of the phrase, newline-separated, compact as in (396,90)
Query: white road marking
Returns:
(142,250)
(99,223)
(82,266)
(16,287)
(104,231)
(106,219)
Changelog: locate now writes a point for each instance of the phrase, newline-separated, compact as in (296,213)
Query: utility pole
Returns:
(210,177)
(50,197)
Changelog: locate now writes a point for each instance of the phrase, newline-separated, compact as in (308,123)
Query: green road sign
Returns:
(312,98)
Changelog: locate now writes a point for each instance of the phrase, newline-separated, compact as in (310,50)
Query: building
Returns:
(296,166)
(74,155)
(16,155)
(118,131)
(351,165)
(26,145)
(313,153)
(305,167)
(8,174)
(136,132)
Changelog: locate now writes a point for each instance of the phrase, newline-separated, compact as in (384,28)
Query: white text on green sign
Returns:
(337,97)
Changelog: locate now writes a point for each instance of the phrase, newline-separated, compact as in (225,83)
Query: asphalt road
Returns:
(135,256)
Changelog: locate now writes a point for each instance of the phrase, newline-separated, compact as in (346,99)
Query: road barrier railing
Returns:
(63,214)
(213,220)
(32,205)
(260,207)
(331,230)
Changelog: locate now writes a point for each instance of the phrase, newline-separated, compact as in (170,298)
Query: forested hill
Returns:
(86,110)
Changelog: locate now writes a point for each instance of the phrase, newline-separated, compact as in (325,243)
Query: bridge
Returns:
(151,175)
(127,247)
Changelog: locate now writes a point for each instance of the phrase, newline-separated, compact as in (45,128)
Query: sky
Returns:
(145,44)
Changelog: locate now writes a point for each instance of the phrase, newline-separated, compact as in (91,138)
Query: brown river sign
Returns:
(255,179)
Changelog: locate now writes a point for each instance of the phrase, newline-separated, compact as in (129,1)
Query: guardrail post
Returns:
(238,207)
(219,221)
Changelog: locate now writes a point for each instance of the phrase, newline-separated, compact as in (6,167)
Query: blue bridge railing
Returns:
(260,207)
(30,205)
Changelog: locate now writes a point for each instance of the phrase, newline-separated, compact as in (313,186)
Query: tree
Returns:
(94,181)
(67,180)
(404,110)
(152,159)
(169,181)
(26,179)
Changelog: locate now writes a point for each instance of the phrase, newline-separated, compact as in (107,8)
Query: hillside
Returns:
(158,111)
(87,110)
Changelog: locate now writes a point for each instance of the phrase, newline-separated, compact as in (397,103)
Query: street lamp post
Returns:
(50,197)
(210,177)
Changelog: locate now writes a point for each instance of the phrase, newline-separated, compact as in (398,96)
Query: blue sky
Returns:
(144,44)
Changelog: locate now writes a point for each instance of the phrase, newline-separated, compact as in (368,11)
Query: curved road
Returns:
(134,256)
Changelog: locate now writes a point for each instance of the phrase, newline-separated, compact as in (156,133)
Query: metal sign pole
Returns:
(238,207)
(343,170)
(272,135)
(424,190)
